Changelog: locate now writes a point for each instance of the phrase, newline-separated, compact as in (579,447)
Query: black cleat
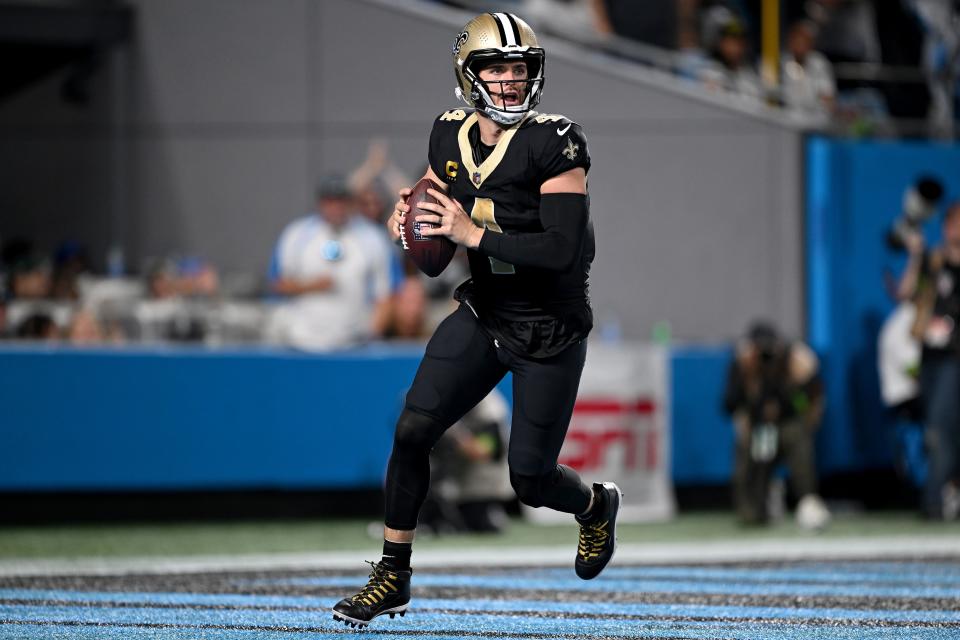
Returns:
(387,591)
(598,532)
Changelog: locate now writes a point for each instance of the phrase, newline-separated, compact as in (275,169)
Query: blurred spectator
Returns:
(693,38)
(655,24)
(560,16)
(38,326)
(898,362)
(932,281)
(847,29)
(188,277)
(941,26)
(13,251)
(30,312)
(808,84)
(372,203)
(469,478)
(375,182)
(407,308)
(70,261)
(85,329)
(901,36)
(888,33)
(728,67)
(408,311)
(775,398)
(30,277)
(176,307)
(372,185)
(334,274)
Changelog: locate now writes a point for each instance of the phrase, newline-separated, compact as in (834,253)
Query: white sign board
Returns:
(620,429)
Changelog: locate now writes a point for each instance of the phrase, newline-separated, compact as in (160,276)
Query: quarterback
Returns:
(515,195)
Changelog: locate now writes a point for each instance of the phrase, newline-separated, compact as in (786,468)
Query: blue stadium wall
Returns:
(854,191)
(137,418)
(182,418)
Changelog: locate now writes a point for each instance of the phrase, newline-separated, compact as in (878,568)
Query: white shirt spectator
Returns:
(380,241)
(898,357)
(742,81)
(354,258)
(808,86)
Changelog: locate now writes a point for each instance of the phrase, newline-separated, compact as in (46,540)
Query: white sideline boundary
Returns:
(913,546)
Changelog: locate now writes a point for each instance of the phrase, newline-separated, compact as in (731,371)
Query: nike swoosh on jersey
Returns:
(560,131)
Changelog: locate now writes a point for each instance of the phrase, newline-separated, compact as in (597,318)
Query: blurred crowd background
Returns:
(845,65)
(361,287)
(850,66)
(218,173)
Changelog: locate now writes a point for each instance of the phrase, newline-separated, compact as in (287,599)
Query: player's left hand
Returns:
(454,221)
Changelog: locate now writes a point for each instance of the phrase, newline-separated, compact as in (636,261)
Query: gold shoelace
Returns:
(380,584)
(593,539)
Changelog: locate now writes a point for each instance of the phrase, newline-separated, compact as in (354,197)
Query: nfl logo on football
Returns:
(416,231)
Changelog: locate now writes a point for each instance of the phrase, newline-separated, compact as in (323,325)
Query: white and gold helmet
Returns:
(490,37)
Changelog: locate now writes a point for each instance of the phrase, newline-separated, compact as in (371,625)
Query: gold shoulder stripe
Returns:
(478,174)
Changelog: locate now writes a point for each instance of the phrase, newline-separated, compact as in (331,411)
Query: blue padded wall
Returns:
(854,192)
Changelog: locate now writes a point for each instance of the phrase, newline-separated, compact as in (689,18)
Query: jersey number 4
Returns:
(482,216)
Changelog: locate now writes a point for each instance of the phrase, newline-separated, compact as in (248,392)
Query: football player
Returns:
(515,195)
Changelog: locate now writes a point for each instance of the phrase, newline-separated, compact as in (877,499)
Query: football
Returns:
(431,254)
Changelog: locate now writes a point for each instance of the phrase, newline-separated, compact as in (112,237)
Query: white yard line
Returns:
(911,546)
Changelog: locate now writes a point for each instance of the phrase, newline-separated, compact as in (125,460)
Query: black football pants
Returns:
(460,367)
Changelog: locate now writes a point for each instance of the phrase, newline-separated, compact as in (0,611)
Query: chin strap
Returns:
(505,118)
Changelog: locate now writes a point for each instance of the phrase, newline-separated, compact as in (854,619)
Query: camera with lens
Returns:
(920,202)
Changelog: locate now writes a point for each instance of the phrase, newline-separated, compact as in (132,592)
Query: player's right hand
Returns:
(400,210)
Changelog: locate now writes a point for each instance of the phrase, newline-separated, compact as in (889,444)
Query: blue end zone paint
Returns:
(587,606)
(907,590)
(57,613)
(891,573)
(441,621)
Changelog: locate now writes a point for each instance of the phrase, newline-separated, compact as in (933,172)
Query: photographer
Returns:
(775,398)
(932,281)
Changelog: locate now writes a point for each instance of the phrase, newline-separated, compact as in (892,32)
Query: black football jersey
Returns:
(536,311)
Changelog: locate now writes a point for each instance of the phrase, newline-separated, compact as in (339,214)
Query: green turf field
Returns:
(246,537)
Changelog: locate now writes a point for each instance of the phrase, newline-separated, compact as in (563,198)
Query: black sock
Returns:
(599,505)
(396,555)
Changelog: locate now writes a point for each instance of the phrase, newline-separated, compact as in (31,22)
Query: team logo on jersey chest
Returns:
(571,150)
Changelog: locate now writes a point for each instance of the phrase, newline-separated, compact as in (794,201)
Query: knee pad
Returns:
(408,473)
(416,431)
(529,488)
